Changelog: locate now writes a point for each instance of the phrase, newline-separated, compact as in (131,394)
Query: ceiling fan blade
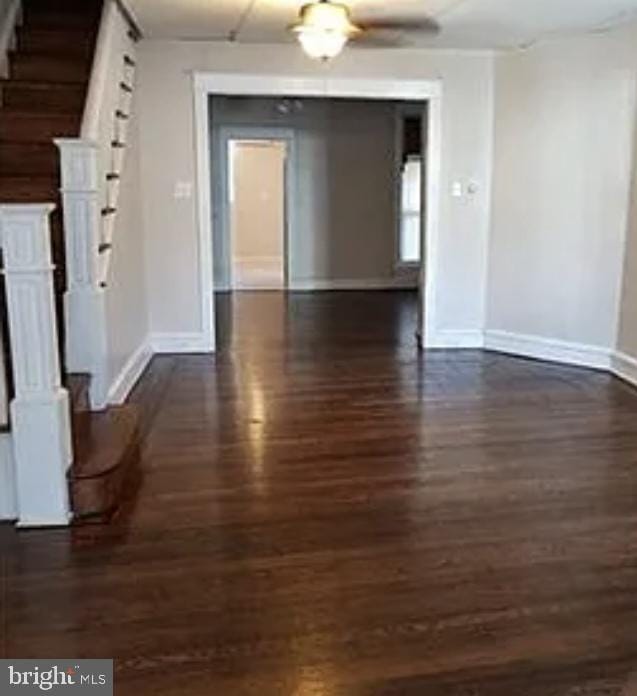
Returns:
(378,40)
(399,24)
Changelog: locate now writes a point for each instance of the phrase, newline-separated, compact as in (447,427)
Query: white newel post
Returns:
(40,418)
(84,299)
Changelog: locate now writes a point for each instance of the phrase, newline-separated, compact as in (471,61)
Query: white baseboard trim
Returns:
(551,350)
(353,284)
(127,378)
(454,339)
(179,343)
(8,500)
(624,367)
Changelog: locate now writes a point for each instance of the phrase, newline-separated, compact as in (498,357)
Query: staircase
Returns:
(43,99)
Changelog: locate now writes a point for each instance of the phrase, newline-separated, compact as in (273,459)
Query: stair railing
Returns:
(40,420)
(91,170)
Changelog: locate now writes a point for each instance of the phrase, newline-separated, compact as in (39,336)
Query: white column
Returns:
(84,299)
(40,419)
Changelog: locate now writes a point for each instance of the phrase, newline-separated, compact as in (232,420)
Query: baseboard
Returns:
(179,343)
(454,339)
(123,384)
(397,283)
(551,350)
(624,367)
(8,504)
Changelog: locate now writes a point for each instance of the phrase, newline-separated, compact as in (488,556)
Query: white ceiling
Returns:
(463,23)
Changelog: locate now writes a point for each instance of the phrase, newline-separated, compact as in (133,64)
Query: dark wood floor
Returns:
(326,512)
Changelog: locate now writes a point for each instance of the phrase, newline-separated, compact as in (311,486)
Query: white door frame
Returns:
(279,134)
(206,84)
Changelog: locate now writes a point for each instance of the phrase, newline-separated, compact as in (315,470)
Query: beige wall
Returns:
(258,210)
(168,156)
(564,118)
(126,299)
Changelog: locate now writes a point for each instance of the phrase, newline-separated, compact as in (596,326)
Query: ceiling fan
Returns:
(325,26)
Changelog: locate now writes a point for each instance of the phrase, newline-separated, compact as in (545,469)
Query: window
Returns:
(410,210)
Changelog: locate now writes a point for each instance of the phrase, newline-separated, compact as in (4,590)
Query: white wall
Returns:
(564,115)
(344,221)
(627,339)
(168,156)
(126,303)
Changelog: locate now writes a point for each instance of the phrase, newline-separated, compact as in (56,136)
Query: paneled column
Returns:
(40,418)
(84,299)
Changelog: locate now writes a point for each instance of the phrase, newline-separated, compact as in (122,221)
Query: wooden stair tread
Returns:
(45,85)
(104,444)
(50,96)
(105,474)
(28,188)
(51,65)
(17,125)
(54,19)
(28,159)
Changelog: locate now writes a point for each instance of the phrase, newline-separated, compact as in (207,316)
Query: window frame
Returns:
(402,111)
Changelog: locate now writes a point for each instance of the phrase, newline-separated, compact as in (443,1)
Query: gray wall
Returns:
(345,212)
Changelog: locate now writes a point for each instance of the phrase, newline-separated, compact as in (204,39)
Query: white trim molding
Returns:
(179,343)
(129,375)
(8,495)
(548,349)
(455,338)
(206,84)
(624,367)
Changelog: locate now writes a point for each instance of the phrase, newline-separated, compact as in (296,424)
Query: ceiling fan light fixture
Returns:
(324,29)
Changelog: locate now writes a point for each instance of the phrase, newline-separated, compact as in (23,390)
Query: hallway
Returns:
(325,511)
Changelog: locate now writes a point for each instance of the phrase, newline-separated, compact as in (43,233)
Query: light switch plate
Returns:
(183,189)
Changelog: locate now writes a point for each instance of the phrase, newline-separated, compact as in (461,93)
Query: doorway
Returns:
(257,213)
(349,165)
(254,211)
(211,249)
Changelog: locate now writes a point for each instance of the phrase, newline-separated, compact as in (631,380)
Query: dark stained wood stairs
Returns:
(105,474)
(42,99)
